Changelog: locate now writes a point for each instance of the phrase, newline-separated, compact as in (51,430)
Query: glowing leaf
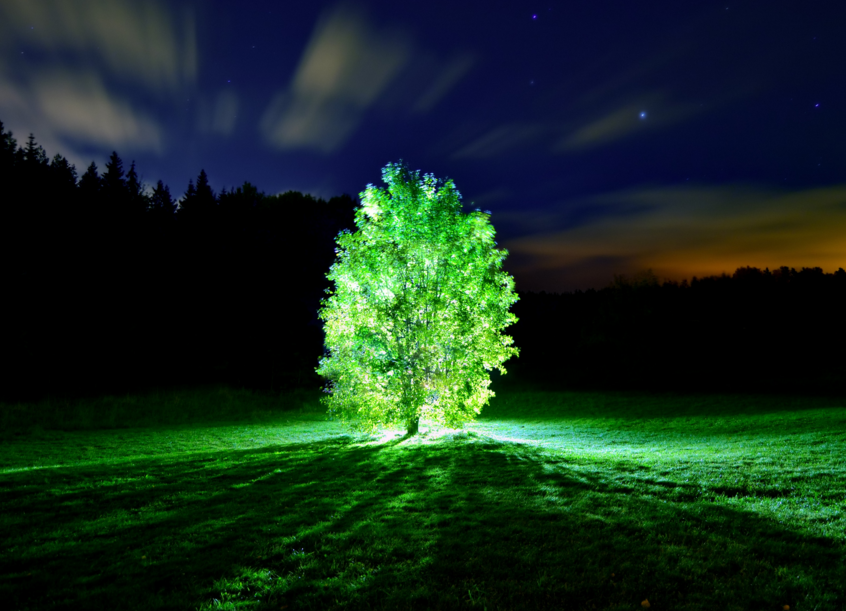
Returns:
(414,322)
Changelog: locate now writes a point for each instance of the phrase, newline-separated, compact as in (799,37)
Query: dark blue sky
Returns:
(606,137)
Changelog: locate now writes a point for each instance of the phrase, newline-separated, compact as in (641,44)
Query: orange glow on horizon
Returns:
(681,233)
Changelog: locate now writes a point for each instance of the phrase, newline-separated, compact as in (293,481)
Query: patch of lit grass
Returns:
(550,500)
(156,408)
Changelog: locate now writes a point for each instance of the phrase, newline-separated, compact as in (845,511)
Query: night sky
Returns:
(606,137)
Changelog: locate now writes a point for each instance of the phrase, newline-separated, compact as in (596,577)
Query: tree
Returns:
(414,323)
(137,199)
(206,200)
(187,201)
(89,187)
(34,154)
(8,146)
(639,280)
(113,184)
(34,178)
(161,203)
(199,203)
(60,203)
(64,173)
(238,205)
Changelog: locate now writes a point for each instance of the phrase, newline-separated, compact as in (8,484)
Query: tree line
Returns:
(111,287)
(756,330)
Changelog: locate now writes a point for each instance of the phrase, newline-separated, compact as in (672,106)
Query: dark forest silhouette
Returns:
(755,330)
(107,288)
(110,288)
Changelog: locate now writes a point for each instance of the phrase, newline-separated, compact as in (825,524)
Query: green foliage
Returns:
(414,323)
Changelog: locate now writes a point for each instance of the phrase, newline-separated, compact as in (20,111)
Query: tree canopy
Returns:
(414,322)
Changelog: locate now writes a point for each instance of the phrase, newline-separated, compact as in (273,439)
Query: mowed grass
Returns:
(551,500)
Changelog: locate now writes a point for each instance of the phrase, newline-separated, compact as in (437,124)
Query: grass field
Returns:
(224,499)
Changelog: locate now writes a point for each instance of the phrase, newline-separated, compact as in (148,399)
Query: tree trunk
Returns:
(413,426)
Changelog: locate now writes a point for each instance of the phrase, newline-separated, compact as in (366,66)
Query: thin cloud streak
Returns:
(348,68)
(647,114)
(445,79)
(77,108)
(218,115)
(680,232)
(139,42)
(78,64)
(505,139)
(345,68)
(81,107)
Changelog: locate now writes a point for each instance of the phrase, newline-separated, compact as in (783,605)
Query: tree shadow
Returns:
(461,523)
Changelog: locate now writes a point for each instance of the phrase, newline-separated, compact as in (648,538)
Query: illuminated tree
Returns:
(414,322)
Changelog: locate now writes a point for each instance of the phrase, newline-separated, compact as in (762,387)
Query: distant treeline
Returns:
(755,330)
(107,287)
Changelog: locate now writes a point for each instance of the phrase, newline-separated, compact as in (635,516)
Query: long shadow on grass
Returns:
(462,523)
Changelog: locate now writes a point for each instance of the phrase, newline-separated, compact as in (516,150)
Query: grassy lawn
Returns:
(229,500)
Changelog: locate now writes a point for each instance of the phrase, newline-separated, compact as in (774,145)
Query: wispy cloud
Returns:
(344,69)
(76,65)
(500,140)
(80,106)
(645,113)
(578,123)
(599,102)
(65,109)
(680,232)
(140,42)
(218,115)
(348,67)
(442,80)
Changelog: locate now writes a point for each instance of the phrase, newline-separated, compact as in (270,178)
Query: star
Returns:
(643,114)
